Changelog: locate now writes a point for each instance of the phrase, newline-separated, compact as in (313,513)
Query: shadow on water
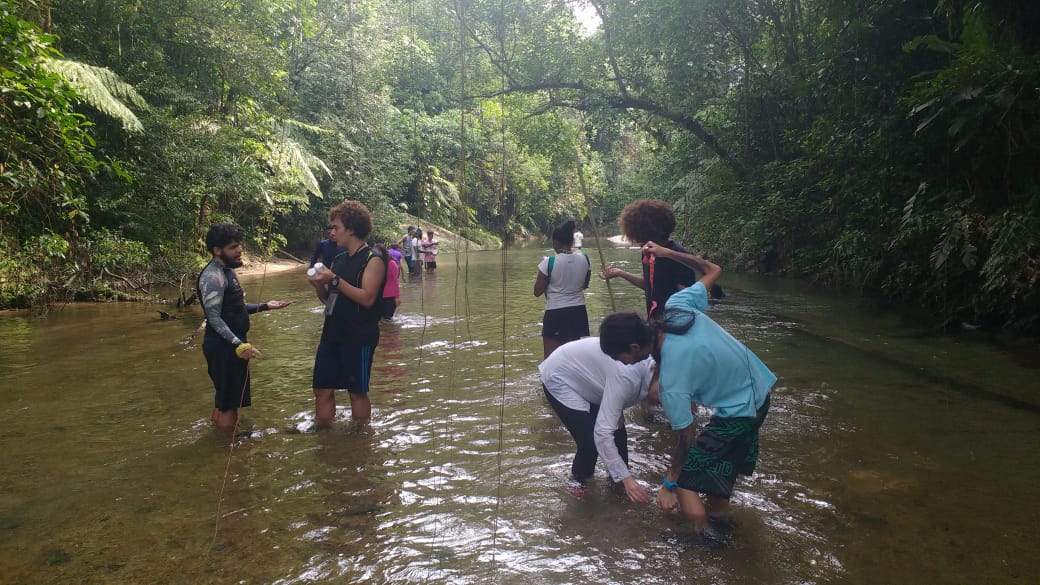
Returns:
(933,377)
(888,457)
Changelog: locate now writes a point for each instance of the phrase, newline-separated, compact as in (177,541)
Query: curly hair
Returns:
(647,220)
(222,234)
(354,216)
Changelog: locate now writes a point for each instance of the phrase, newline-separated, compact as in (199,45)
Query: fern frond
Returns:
(285,125)
(100,88)
(291,157)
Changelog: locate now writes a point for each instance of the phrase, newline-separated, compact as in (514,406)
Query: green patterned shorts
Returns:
(725,448)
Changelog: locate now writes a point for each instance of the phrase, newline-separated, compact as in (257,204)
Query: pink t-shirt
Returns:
(392,288)
(429,249)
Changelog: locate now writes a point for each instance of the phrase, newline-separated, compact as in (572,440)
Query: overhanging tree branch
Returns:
(628,102)
(595,96)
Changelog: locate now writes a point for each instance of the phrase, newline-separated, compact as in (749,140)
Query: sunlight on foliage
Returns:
(100,88)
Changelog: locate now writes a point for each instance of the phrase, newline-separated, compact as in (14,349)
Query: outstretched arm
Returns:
(708,269)
(610,271)
(619,391)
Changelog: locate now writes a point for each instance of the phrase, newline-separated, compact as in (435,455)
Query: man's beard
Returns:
(230,262)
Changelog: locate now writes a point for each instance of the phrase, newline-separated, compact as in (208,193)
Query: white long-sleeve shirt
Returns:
(579,374)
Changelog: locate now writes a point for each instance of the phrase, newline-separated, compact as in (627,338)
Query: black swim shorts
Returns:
(230,374)
(566,324)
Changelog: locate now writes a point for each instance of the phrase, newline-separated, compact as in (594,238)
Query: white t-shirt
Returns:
(579,374)
(578,237)
(416,247)
(567,281)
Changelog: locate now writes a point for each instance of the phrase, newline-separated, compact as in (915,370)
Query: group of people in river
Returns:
(411,250)
(418,251)
(677,357)
(358,285)
(350,284)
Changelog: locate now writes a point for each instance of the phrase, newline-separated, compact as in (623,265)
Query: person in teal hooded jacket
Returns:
(700,363)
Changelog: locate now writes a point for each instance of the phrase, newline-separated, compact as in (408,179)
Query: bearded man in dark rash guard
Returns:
(227,323)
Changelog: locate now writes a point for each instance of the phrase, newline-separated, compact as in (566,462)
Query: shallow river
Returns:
(889,456)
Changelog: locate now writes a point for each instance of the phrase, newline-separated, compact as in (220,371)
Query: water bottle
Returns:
(311,272)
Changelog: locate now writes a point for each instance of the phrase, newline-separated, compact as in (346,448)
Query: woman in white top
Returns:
(563,278)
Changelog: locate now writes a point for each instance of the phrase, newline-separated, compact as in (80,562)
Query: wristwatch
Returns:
(334,282)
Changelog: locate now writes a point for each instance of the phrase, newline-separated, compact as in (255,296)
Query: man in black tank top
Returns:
(652,220)
(227,322)
(351,289)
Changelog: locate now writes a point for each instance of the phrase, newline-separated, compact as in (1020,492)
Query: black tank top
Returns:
(667,277)
(349,322)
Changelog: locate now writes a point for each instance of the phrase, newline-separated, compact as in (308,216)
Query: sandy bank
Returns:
(272,266)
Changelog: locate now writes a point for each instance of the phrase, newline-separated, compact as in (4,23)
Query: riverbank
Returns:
(271,266)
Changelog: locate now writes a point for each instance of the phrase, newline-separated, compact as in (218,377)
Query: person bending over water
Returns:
(351,289)
(590,391)
(227,322)
(699,363)
(563,278)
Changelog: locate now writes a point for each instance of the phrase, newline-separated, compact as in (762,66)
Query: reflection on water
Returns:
(887,457)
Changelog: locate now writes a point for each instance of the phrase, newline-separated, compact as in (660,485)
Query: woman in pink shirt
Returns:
(392,289)
(429,249)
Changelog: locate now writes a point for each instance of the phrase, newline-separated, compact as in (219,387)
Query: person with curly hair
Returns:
(652,220)
(351,289)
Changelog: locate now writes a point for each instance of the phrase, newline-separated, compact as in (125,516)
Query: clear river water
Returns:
(889,456)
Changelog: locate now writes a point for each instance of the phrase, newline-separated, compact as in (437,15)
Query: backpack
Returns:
(548,275)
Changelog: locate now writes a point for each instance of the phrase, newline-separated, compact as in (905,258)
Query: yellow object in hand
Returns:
(242,348)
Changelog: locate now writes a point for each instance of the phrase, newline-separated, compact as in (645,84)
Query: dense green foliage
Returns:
(885,145)
(889,146)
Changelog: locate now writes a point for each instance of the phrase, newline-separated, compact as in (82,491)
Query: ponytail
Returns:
(677,320)
(565,233)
